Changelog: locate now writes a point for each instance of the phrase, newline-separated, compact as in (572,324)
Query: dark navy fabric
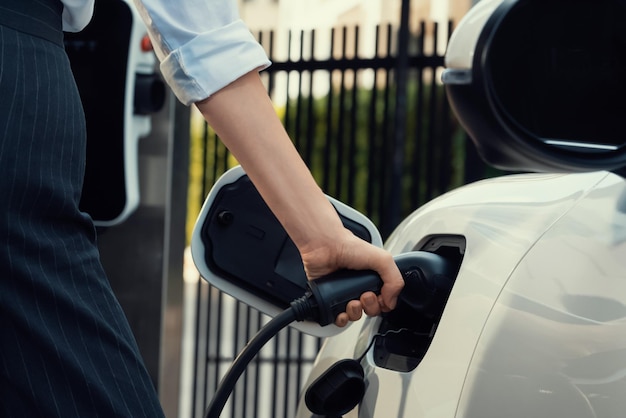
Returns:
(66,349)
(40,18)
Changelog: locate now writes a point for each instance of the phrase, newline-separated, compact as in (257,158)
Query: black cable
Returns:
(384,334)
(246,355)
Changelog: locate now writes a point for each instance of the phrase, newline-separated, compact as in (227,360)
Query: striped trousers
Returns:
(66,349)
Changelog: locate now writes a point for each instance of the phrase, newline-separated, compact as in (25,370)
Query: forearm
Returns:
(244,118)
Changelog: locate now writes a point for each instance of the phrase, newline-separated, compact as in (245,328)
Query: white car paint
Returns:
(535,324)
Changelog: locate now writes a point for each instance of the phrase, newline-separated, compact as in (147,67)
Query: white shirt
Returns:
(76,14)
(202,44)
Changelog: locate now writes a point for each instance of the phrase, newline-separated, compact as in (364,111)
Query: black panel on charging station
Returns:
(245,243)
(98,56)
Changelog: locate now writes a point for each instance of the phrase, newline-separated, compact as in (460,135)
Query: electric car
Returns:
(515,296)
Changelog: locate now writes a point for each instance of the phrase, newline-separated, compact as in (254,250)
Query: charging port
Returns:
(409,329)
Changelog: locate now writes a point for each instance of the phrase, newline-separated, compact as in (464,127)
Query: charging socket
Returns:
(413,324)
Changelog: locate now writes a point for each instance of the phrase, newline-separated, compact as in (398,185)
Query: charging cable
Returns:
(301,309)
(229,380)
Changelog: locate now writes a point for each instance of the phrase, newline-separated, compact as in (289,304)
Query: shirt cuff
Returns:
(211,61)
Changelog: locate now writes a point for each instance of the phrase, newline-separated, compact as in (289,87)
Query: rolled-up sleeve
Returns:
(202,45)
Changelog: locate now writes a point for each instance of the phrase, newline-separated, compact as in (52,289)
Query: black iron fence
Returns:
(378,134)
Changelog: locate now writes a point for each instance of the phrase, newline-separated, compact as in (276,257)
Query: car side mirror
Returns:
(539,86)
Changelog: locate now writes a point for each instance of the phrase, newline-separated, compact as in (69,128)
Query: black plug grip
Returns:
(333,292)
(422,272)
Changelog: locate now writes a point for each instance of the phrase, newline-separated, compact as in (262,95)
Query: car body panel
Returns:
(522,333)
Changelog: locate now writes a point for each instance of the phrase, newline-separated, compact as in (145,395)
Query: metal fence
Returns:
(378,134)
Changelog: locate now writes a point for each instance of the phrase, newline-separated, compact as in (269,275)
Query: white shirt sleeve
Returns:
(76,14)
(202,44)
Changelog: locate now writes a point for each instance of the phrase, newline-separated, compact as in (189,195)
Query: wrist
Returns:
(326,252)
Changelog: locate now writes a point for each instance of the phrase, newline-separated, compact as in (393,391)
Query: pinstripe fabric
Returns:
(42,18)
(66,349)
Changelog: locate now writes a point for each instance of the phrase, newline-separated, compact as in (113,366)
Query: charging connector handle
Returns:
(331,294)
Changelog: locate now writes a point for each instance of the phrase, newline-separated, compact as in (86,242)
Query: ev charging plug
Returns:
(425,275)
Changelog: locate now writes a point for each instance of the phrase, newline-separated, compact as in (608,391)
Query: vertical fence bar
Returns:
(237,396)
(245,376)
(270,54)
(339,138)
(275,364)
(352,178)
(219,357)
(287,380)
(329,120)
(372,140)
(383,202)
(401,72)
(417,168)
(295,391)
(195,387)
(257,367)
(432,118)
(310,127)
(298,122)
(287,119)
(199,293)
(446,134)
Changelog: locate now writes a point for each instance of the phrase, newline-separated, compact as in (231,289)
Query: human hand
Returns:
(346,251)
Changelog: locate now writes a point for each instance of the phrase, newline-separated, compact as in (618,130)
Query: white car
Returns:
(522,313)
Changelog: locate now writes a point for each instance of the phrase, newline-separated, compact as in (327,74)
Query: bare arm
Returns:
(244,118)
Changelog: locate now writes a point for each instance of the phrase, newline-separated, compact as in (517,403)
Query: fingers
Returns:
(370,304)
(390,292)
(393,283)
(342,320)
(353,312)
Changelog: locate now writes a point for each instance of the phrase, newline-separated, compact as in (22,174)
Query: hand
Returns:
(346,251)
